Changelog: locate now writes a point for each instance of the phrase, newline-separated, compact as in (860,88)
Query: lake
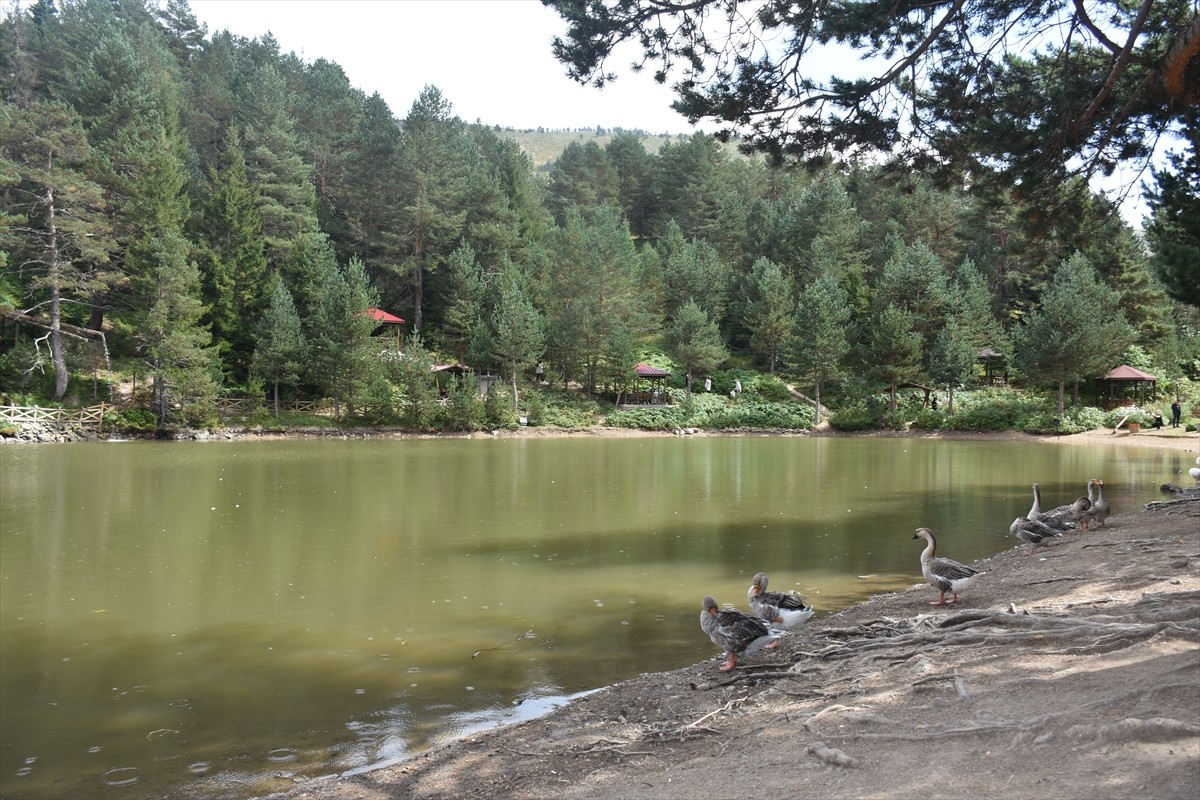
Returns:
(217,619)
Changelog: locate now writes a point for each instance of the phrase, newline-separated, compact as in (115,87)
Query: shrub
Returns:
(1129,414)
(648,419)
(769,387)
(498,409)
(782,416)
(561,408)
(131,420)
(930,419)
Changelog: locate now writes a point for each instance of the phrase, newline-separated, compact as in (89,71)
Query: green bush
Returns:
(929,419)
(498,408)
(131,420)
(562,409)
(770,388)
(648,419)
(1133,413)
(464,409)
(782,416)
(855,417)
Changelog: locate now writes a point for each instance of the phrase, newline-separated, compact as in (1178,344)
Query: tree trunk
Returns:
(160,397)
(893,395)
(1061,392)
(950,399)
(514,386)
(56,345)
(418,280)
(276,393)
(817,411)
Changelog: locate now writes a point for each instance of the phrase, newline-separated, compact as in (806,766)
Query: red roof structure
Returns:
(383,317)
(1128,373)
(647,371)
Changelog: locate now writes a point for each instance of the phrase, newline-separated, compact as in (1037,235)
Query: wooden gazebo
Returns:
(1122,384)
(995,367)
(386,322)
(649,388)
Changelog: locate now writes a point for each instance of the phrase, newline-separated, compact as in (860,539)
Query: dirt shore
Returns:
(1073,672)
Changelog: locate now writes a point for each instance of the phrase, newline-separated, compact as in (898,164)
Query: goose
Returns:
(1032,531)
(736,632)
(1077,512)
(783,610)
(1045,517)
(943,574)
(1100,509)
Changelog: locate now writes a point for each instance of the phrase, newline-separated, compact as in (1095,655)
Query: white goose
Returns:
(943,574)
(1101,509)
(782,610)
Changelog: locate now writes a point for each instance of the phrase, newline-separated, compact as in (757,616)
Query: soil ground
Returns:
(1071,672)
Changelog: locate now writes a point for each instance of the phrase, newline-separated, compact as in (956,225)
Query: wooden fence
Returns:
(94,415)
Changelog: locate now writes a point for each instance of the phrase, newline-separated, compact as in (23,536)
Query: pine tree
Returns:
(1174,228)
(693,341)
(1076,332)
(892,348)
(344,356)
(62,236)
(465,312)
(595,298)
(167,308)
(819,335)
(280,349)
(517,340)
(234,264)
(770,309)
(953,357)
(435,162)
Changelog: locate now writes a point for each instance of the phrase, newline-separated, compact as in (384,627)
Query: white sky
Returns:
(490,58)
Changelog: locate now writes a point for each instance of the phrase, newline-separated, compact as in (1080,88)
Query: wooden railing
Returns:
(94,415)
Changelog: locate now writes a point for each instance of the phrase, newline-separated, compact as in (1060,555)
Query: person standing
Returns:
(1176,413)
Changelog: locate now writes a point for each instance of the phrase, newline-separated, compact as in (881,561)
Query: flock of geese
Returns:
(774,613)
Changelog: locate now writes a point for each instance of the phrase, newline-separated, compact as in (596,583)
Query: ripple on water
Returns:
(199,768)
(122,776)
(282,754)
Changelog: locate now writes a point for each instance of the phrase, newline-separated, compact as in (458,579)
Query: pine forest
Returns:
(205,217)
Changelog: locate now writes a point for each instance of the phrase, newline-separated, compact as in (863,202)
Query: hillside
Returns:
(544,146)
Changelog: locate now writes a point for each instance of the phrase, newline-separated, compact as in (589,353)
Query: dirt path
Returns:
(1070,673)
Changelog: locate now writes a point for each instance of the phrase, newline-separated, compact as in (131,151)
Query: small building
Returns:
(386,323)
(1124,384)
(648,389)
(995,367)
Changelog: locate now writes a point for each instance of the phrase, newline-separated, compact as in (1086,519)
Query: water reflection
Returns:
(214,620)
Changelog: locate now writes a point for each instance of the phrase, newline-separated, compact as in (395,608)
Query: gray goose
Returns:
(1032,531)
(735,632)
(943,574)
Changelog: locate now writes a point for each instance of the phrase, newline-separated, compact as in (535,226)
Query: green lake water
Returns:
(217,619)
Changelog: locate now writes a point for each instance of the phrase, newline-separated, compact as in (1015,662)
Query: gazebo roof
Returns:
(1128,373)
(647,371)
(379,315)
